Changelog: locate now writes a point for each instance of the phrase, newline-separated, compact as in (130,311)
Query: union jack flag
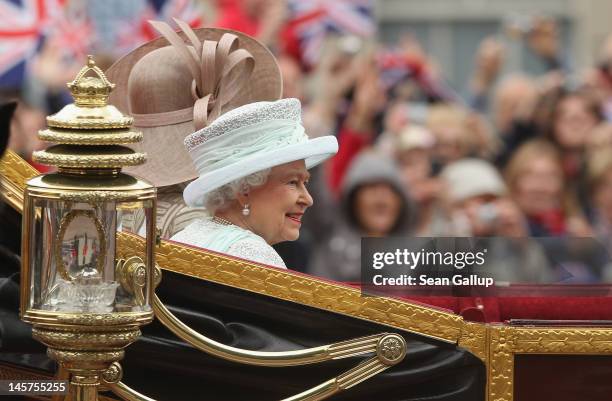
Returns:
(25,24)
(22,24)
(135,33)
(395,67)
(313,20)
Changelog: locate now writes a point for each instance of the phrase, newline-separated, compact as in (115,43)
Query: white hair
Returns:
(221,197)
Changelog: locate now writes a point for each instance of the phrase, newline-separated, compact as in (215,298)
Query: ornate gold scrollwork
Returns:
(507,341)
(14,172)
(84,161)
(106,319)
(74,137)
(474,338)
(113,374)
(131,273)
(82,340)
(94,196)
(83,356)
(391,349)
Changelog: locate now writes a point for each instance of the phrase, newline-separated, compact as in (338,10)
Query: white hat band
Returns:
(230,147)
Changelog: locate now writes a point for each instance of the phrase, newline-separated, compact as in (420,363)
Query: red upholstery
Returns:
(502,309)
(530,302)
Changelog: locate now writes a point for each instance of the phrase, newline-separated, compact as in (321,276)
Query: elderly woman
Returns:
(253,164)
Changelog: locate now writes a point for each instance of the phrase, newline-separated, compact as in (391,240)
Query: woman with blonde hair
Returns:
(537,183)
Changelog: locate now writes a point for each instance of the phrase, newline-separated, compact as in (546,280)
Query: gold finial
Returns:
(90,132)
(90,111)
(92,91)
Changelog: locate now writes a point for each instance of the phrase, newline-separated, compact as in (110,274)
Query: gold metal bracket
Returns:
(390,350)
(131,273)
(340,350)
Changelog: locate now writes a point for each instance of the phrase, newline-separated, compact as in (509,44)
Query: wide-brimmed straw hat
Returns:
(203,72)
(249,139)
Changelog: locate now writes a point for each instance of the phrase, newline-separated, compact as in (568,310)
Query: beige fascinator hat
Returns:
(178,83)
(249,139)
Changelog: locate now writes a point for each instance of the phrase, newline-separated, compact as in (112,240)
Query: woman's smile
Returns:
(295,217)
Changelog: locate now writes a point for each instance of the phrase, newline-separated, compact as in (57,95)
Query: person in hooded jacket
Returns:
(373,203)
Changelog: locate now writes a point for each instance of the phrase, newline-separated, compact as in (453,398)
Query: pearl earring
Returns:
(245,210)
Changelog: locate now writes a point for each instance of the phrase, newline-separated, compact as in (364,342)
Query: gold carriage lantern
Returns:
(85,305)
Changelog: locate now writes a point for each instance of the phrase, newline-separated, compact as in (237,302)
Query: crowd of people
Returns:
(513,156)
(516,156)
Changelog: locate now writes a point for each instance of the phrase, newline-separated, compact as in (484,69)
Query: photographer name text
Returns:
(422,259)
(425,280)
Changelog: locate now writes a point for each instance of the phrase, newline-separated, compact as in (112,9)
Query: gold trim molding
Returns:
(82,161)
(474,338)
(93,123)
(507,341)
(74,137)
(298,288)
(95,196)
(14,172)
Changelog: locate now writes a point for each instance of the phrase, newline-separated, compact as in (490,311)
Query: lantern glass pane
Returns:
(72,258)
